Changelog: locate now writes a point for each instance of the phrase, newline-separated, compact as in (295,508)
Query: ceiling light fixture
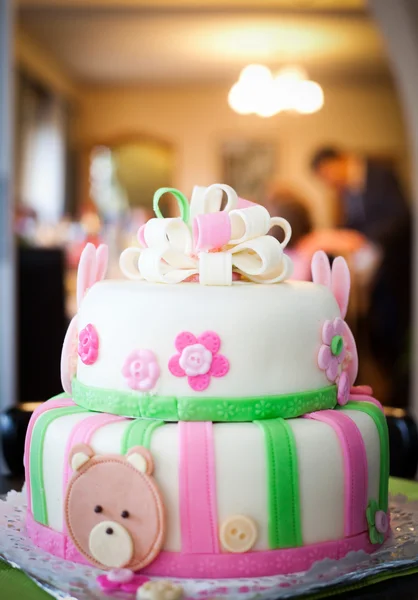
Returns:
(259,92)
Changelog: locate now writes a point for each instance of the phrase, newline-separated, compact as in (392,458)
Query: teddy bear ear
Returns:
(79,455)
(140,458)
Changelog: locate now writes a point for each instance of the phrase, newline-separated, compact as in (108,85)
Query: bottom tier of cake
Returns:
(201,499)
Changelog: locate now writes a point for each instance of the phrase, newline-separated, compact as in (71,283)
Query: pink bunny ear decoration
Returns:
(321,270)
(340,278)
(102,260)
(91,268)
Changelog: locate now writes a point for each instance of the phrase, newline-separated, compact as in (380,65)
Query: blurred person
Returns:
(372,200)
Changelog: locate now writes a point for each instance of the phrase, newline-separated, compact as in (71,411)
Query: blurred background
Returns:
(292,102)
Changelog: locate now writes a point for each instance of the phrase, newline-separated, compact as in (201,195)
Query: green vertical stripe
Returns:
(283,484)
(382,429)
(39,510)
(138,433)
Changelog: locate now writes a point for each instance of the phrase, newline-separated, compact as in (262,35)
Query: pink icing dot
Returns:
(381,521)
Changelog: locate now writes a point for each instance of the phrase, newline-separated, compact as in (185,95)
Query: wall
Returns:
(197,119)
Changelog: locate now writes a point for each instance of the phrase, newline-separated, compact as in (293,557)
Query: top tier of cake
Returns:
(191,352)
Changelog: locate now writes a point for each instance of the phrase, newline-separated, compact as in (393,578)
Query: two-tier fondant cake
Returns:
(210,426)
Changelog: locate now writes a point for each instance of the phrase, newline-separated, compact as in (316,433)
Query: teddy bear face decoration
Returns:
(113,508)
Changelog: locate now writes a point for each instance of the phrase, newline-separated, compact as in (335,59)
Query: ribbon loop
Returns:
(166,265)
(209,199)
(175,232)
(248,223)
(181,202)
(261,260)
(285,226)
(128,263)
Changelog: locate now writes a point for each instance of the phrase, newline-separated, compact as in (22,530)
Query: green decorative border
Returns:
(169,408)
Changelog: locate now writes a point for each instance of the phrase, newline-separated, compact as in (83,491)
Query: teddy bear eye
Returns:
(124,514)
(98,508)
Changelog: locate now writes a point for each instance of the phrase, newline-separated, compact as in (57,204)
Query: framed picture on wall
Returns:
(248,165)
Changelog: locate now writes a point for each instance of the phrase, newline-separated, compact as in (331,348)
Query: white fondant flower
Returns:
(141,370)
(195,360)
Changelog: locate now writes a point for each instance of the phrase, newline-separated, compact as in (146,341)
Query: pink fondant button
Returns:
(381,521)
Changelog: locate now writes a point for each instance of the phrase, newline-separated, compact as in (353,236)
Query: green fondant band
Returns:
(169,408)
(283,484)
(39,509)
(139,433)
(382,429)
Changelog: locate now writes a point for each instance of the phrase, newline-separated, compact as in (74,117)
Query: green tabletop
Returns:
(15,584)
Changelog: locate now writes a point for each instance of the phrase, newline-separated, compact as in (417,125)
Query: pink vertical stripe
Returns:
(44,407)
(198,511)
(355,468)
(82,432)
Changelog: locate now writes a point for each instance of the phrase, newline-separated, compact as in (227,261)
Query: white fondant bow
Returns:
(213,246)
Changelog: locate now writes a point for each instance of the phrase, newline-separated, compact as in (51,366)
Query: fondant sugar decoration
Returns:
(285,530)
(141,370)
(198,359)
(121,580)
(209,244)
(339,351)
(197,480)
(91,268)
(377,521)
(160,590)
(238,534)
(82,433)
(355,468)
(29,462)
(88,345)
(379,419)
(332,352)
(191,408)
(44,420)
(139,433)
(128,529)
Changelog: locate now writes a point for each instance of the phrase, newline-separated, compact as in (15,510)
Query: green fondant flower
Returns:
(377,521)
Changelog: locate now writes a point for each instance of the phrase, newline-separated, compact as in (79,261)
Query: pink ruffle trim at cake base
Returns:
(214,566)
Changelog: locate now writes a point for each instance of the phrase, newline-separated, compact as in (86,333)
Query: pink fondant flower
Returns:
(141,370)
(343,392)
(332,352)
(88,345)
(198,359)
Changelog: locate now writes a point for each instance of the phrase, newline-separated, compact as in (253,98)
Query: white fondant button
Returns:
(238,533)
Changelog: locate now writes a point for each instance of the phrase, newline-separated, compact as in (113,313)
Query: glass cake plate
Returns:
(69,581)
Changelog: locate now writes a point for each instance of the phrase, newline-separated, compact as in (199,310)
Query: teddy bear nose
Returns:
(109,531)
